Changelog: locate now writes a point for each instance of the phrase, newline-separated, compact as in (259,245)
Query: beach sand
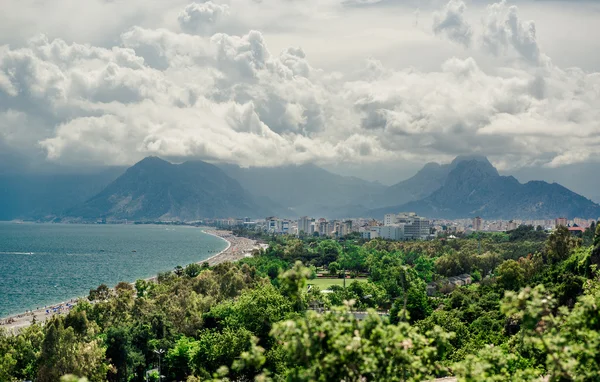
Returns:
(237,249)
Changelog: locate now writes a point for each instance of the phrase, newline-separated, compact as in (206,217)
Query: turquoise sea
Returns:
(43,264)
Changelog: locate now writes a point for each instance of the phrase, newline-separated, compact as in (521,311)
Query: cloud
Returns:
(505,33)
(201,18)
(229,97)
(451,22)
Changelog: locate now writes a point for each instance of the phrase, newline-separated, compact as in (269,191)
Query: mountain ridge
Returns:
(156,189)
(475,188)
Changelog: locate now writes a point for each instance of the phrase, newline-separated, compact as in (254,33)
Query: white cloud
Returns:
(452,23)
(228,97)
(505,33)
(201,18)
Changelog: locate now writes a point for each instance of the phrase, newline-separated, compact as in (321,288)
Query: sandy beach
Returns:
(237,248)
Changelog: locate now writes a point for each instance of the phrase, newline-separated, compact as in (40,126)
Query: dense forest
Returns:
(529,313)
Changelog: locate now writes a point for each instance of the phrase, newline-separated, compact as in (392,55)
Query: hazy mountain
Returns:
(424,183)
(473,187)
(306,189)
(156,189)
(36,195)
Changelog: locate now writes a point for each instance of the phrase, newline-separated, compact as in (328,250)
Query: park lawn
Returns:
(323,283)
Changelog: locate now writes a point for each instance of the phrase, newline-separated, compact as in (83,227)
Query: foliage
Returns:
(257,320)
(338,346)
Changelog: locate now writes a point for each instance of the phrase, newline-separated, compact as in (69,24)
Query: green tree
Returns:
(214,349)
(293,285)
(510,275)
(329,251)
(336,346)
(179,359)
(560,243)
(63,352)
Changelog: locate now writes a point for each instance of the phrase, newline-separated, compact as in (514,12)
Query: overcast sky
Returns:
(374,88)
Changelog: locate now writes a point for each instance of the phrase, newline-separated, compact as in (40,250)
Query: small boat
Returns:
(134,250)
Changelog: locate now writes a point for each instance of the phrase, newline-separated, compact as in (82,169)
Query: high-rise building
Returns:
(560,222)
(389,219)
(330,228)
(275,225)
(321,227)
(305,226)
(477,223)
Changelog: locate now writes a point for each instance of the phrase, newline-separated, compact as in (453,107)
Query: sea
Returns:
(45,264)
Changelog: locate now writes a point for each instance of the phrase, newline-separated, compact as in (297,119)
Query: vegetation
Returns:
(531,312)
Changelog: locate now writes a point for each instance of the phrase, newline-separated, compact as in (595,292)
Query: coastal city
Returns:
(401,226)
(328,191)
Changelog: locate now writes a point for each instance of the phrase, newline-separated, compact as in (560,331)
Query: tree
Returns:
(560,243)
(334,268)
(510,275)
(63,352)
(293,285)
(329,251)
(101,293)
(122,354)
(336,346)
(595,257)
(352,258)
(411,303)
(214,349)
(193,270)
(255,310)
(179,359)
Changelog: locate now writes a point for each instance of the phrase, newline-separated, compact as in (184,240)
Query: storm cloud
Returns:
(189,83)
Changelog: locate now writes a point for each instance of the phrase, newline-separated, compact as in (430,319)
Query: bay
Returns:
(44,264)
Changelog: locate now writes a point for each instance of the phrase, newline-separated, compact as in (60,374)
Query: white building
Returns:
(275,225)
(390,232)
(389,219)
(413,226)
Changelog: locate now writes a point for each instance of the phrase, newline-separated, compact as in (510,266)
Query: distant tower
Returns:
(477,223)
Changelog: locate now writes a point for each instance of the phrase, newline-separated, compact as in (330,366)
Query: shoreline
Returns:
(237,249)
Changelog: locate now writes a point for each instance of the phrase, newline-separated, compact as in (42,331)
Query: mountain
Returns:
(306,189)
(474,187)
(424,183)
(26,195)
(156,189)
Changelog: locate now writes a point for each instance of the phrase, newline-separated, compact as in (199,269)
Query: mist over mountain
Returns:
(473,187)
(35,196)
(156,189)
(307,189)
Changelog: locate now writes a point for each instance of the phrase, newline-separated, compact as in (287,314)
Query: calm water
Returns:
(42,264)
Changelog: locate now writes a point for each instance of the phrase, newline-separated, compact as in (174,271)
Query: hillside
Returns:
(156,189)
(474,188)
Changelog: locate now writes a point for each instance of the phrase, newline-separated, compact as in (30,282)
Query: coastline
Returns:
(237,249)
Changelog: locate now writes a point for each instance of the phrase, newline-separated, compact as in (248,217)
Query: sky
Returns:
(361,87)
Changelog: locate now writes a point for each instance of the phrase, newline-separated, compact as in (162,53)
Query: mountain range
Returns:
(473,187)
(155,189)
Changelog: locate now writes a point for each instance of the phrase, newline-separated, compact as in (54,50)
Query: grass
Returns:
(326,283)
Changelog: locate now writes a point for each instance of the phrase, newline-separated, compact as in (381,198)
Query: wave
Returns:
(19,253)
